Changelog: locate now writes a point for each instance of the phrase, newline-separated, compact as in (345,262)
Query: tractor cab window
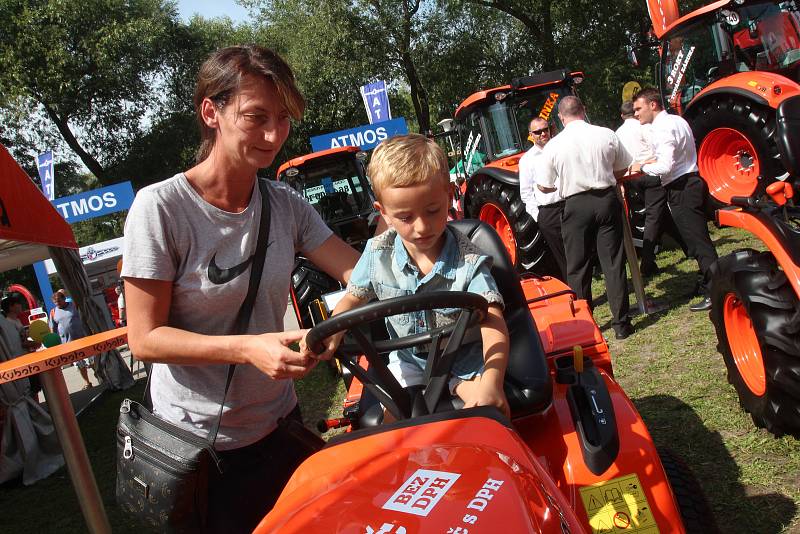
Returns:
(335,191)
(543,105)
(502,131)
(761,36)
(693,58)
(472,142)
(766,36)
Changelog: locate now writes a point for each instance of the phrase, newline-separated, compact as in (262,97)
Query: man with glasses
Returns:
(545,208)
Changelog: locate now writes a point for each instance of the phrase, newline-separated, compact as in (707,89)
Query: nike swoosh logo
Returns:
(223,276)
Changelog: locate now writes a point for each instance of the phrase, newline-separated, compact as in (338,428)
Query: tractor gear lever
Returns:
(577,358)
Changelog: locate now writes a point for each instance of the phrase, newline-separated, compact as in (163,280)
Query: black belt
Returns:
(558,204)
(681,180)
(597,192)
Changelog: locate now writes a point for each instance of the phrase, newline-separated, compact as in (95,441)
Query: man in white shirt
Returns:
(676,164)
(545,208)
(583,162)
(635,136)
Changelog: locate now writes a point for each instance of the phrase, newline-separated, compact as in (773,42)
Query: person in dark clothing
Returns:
(675,163)
(583,162)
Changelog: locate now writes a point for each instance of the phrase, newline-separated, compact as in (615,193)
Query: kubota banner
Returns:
(662,13)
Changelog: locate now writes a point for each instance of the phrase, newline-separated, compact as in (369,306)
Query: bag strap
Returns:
(243,317)
(246,309)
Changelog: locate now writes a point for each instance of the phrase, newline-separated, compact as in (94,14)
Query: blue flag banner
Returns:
(95,203)
(44,162)
(367,137)
(376,100)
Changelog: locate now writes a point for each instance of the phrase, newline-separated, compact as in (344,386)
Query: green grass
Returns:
(669,367)
(672,371)
(50,506)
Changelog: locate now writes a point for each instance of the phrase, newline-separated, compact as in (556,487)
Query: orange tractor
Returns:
(335,183)
(756,309)
(575,456)
(731,69)
(492,130)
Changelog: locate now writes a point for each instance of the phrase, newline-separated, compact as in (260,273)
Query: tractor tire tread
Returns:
(749,275)
(532,251)
(309,284)
(694,508)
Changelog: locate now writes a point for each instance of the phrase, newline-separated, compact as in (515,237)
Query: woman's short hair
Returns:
(406,160)
(220,78)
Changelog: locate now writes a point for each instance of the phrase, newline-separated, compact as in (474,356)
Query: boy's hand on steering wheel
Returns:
(489,396)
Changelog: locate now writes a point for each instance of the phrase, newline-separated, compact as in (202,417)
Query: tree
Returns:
(91,65)
(330,60)
(583,35)
(537,18)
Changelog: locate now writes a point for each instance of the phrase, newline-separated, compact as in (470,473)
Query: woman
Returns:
(189,241)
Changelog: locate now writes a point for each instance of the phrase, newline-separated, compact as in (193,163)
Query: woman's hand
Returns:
(330,345)
(271,354)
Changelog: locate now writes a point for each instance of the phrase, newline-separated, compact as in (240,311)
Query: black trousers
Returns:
(655,210)
(549,222)
(594,219)
(657,219)
(685,199)
(253,478)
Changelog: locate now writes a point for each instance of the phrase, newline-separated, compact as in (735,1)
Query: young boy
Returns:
(418,253)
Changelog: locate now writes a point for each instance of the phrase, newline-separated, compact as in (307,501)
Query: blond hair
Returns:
(220,78)
(406,160)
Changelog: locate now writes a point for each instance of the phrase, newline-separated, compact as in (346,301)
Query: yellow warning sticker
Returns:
(618,505)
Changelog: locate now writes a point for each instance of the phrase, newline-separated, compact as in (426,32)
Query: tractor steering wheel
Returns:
(439,361)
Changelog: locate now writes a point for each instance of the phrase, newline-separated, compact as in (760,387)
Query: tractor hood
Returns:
(459,475)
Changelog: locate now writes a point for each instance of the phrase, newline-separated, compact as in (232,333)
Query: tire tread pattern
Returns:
(309,284)
(774,310)
(694,508)
(533,254)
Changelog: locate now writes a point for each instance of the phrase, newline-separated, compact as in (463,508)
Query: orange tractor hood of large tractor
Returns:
(451,475)
(481,98)
(769,86)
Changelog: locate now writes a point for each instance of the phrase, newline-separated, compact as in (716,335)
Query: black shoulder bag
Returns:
(162,469)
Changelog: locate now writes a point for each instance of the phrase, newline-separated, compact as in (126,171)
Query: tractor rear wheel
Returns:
(308,285)
(500,206)
(735,145)
(692,504)
(757,318)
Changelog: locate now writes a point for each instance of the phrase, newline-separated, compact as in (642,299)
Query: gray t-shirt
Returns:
(171,233)
(67,322)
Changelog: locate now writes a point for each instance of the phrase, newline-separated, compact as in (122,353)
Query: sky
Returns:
(212,8)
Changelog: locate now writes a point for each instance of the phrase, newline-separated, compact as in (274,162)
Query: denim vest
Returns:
(385,271)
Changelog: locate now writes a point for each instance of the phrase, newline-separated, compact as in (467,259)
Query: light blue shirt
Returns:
(385,271)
